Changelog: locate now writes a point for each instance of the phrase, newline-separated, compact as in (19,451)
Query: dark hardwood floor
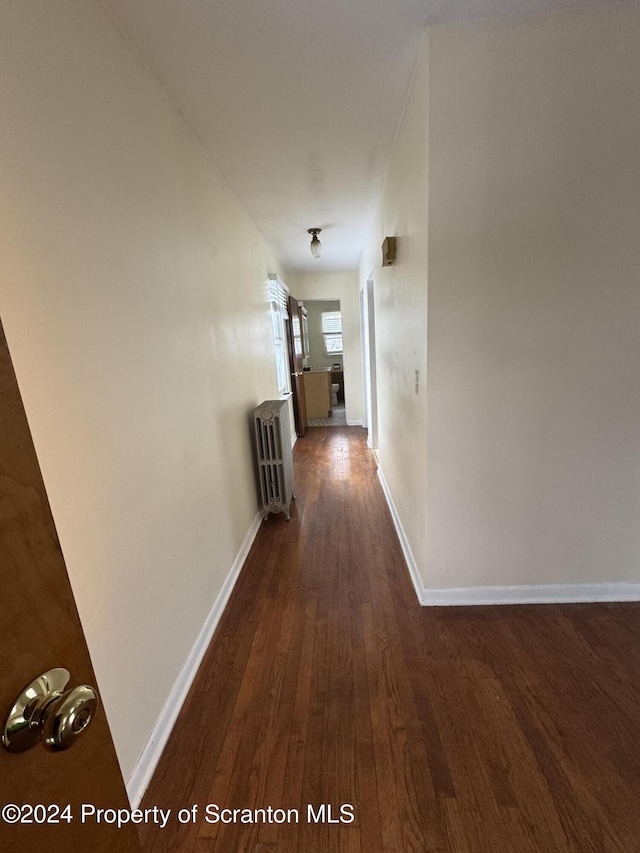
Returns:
(474,730)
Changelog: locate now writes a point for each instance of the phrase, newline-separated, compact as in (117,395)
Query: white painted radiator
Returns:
(275,456)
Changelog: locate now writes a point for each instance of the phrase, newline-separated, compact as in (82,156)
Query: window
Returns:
(278,295)
(332,332)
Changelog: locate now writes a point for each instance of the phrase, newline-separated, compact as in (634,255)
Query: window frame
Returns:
(331,322)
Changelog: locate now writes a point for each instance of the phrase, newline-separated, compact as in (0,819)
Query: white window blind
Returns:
(278,295)
(331,322)
(332,332)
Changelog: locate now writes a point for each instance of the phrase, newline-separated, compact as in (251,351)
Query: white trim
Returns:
(553,593)
(354,423)
(404,542)
(146,765)
(294,438)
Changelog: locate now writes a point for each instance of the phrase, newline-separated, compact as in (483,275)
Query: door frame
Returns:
(295,366)
(369,370)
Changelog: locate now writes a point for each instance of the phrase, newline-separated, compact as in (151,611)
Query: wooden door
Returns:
(40,630)
(296,356)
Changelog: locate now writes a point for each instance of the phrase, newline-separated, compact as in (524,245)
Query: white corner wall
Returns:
(534,301)
(342,286)
(400,303)
(515,187)
(131,290)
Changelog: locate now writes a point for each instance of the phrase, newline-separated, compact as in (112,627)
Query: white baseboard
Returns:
(553,593)
(144,769)
(354,423)
(517,594)
(404,542)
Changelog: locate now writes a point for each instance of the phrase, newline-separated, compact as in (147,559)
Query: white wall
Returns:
(400,301)
(132,294)
(342,286)
(534,389)
(531,241)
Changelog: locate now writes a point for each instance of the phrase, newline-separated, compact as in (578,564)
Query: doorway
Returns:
(370,388)
(323,364)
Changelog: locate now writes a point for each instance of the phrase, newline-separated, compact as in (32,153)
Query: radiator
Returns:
(275,457)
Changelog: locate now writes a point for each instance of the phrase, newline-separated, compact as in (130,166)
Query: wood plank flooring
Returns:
(474,730)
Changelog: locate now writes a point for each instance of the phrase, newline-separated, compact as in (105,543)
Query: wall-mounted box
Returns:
(388,251)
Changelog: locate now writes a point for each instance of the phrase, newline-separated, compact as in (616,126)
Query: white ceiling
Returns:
(297,102)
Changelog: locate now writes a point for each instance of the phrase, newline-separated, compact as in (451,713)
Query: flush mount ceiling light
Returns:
(316,245)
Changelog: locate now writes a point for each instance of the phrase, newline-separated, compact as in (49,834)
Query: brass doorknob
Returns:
(45,713)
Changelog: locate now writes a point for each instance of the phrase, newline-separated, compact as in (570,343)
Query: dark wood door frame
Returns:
(294,339)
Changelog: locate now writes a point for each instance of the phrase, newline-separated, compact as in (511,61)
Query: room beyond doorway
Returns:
(323,362)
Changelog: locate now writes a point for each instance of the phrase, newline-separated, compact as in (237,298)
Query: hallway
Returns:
(472,730)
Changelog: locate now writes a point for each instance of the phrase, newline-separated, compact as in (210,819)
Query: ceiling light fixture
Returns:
(316,245)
